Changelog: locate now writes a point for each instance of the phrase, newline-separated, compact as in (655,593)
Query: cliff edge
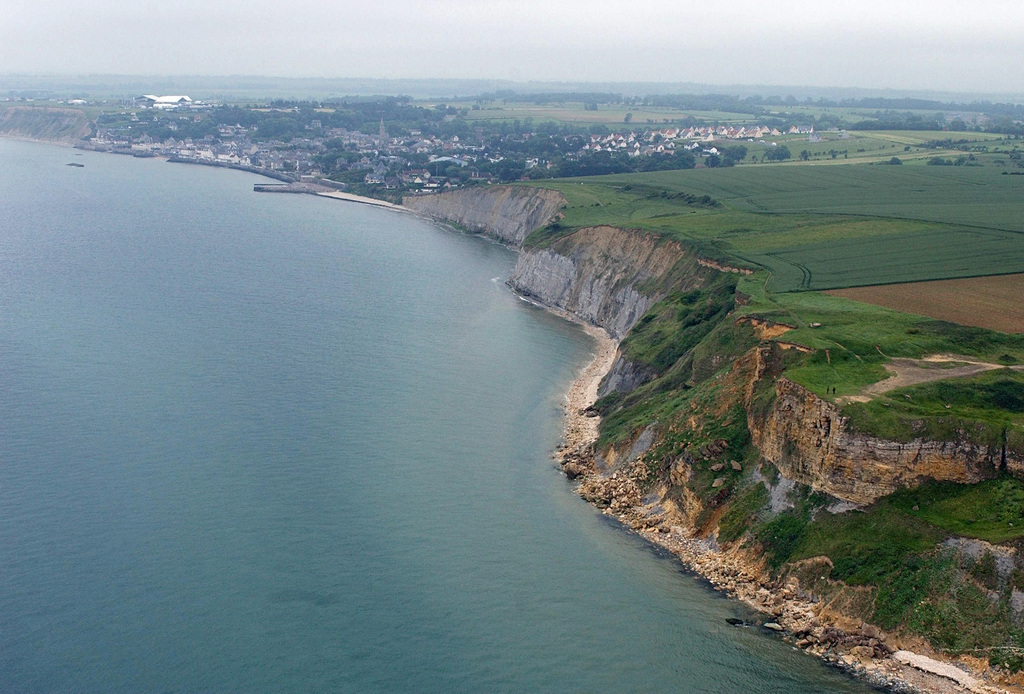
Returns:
(506,213)
(855,544)
(57,125)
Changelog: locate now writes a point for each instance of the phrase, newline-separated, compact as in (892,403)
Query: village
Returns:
(409,161)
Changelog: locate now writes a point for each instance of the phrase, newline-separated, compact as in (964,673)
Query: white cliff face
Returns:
(604,275)
(598,274)
(60,125)
(586,291)
(507,213)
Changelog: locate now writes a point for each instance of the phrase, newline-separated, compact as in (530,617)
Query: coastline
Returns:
(38,141)
(881,660)
(580,427)
(851,647)
(846,645)
(736,573)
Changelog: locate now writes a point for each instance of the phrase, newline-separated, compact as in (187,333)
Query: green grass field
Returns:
(823,227)
(810,226)
(574,113)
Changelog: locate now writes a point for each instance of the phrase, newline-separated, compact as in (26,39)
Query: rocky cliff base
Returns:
(801,603)
(683,421)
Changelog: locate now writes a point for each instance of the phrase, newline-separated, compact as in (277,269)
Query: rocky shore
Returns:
(883,660)
(609,277)
(580,430)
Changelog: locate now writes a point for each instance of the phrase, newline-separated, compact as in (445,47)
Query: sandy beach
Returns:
(337,194)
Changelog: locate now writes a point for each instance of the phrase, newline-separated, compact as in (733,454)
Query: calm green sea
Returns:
(274,443)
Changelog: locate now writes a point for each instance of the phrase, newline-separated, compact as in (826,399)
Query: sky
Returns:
(944,45)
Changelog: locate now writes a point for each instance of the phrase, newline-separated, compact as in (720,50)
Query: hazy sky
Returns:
(961,45)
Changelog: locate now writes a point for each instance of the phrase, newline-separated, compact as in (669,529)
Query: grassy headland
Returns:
(795,228)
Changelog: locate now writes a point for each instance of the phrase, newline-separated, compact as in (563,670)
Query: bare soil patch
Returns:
(911,372)
(996,303)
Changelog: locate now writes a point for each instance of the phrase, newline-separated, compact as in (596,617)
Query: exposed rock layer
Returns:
(625,375)
(611,277)
(605,275)
(809,441)
(508,213)
(58,125)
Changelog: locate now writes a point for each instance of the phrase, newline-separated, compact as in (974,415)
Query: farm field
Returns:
(972,196)
(821,227)
(907,257)
(575,113)
(996,303)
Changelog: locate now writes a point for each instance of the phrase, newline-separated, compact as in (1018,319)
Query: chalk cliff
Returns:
(683,481)
(624,376)
(58,125)
(507,213)
(610,277)
(605,275)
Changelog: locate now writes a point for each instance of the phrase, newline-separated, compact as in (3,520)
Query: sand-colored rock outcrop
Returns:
(809,440)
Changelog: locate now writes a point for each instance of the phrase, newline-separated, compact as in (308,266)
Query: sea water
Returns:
(280,443)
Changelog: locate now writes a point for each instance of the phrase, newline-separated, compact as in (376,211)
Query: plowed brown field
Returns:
(995,302)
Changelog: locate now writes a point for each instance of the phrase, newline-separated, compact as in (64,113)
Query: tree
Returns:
(733,154)
(628,118)
(780,153)
(683,160)
(805,155)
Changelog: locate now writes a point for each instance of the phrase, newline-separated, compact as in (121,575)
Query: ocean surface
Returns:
(276,443)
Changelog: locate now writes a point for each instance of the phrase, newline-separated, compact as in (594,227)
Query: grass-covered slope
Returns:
(895,563)
(821,227)
(914,562)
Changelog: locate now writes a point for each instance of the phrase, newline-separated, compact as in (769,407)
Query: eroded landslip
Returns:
(702,444)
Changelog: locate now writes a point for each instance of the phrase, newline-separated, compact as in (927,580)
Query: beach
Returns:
(338,195)
(580,429)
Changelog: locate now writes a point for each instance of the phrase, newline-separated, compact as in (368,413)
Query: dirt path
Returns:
(911,372)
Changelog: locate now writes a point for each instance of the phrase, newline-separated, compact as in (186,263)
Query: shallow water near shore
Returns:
(271,443)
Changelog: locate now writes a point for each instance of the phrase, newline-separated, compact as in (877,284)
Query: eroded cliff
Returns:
(706,448)
(810,441)
(606,275)
(58,125)
(507,213)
